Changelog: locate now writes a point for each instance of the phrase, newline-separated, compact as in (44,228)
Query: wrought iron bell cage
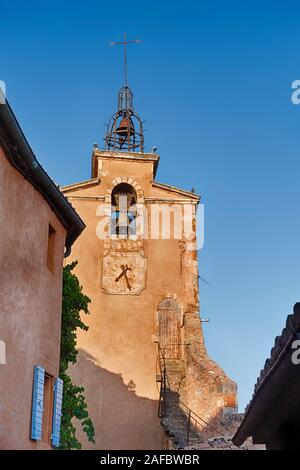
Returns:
(125,127)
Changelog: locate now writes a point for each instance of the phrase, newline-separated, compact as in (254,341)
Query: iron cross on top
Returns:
(124,43)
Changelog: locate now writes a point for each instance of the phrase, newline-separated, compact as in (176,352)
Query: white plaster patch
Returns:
(2,352)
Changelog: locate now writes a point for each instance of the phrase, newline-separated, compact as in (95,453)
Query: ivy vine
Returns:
(74,405)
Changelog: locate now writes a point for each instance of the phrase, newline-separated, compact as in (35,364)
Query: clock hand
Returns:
(127,281)
(122,273)
(119,277)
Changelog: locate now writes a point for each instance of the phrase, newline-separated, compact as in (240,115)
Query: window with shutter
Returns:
(48,408)
(51,248)
(37,403)
(57,411)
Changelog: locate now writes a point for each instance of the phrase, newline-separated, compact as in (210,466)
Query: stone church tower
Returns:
(143,360)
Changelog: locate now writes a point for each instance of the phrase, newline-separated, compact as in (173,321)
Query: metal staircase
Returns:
(182,424)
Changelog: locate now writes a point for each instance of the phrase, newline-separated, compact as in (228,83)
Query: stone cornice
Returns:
(125,156)
(80,185)
(176,190)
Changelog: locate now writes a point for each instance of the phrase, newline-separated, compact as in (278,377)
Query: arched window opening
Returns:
(169,329)
(123,215)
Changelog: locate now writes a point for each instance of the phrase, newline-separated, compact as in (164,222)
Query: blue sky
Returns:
(213,80)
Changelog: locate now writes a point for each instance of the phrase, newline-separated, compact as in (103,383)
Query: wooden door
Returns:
(169,328)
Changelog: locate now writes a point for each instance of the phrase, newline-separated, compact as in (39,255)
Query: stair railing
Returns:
(192,417)
(161,377)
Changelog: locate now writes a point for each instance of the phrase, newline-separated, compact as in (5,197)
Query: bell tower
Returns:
(143,361)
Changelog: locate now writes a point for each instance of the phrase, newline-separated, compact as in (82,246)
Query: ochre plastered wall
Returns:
(30,300)
(118,355)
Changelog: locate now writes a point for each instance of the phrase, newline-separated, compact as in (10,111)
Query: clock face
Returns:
(124,273)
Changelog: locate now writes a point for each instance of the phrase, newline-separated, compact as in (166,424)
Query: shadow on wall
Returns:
(122,420)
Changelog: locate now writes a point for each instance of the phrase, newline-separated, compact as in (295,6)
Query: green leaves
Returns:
(74,404)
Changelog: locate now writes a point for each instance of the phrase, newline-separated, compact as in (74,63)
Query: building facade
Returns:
(144,354)
(37,226)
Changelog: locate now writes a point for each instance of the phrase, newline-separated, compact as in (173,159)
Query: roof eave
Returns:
(281,371)
(23,159)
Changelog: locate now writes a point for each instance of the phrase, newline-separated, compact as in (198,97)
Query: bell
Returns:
(126,199)
(125,127)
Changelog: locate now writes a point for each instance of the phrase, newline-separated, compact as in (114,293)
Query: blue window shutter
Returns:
(57,411)
(37,403)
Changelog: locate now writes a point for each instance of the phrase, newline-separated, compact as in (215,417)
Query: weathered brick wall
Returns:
(209,392)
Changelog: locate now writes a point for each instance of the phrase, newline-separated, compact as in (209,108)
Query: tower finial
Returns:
(125,127)
(124,43)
